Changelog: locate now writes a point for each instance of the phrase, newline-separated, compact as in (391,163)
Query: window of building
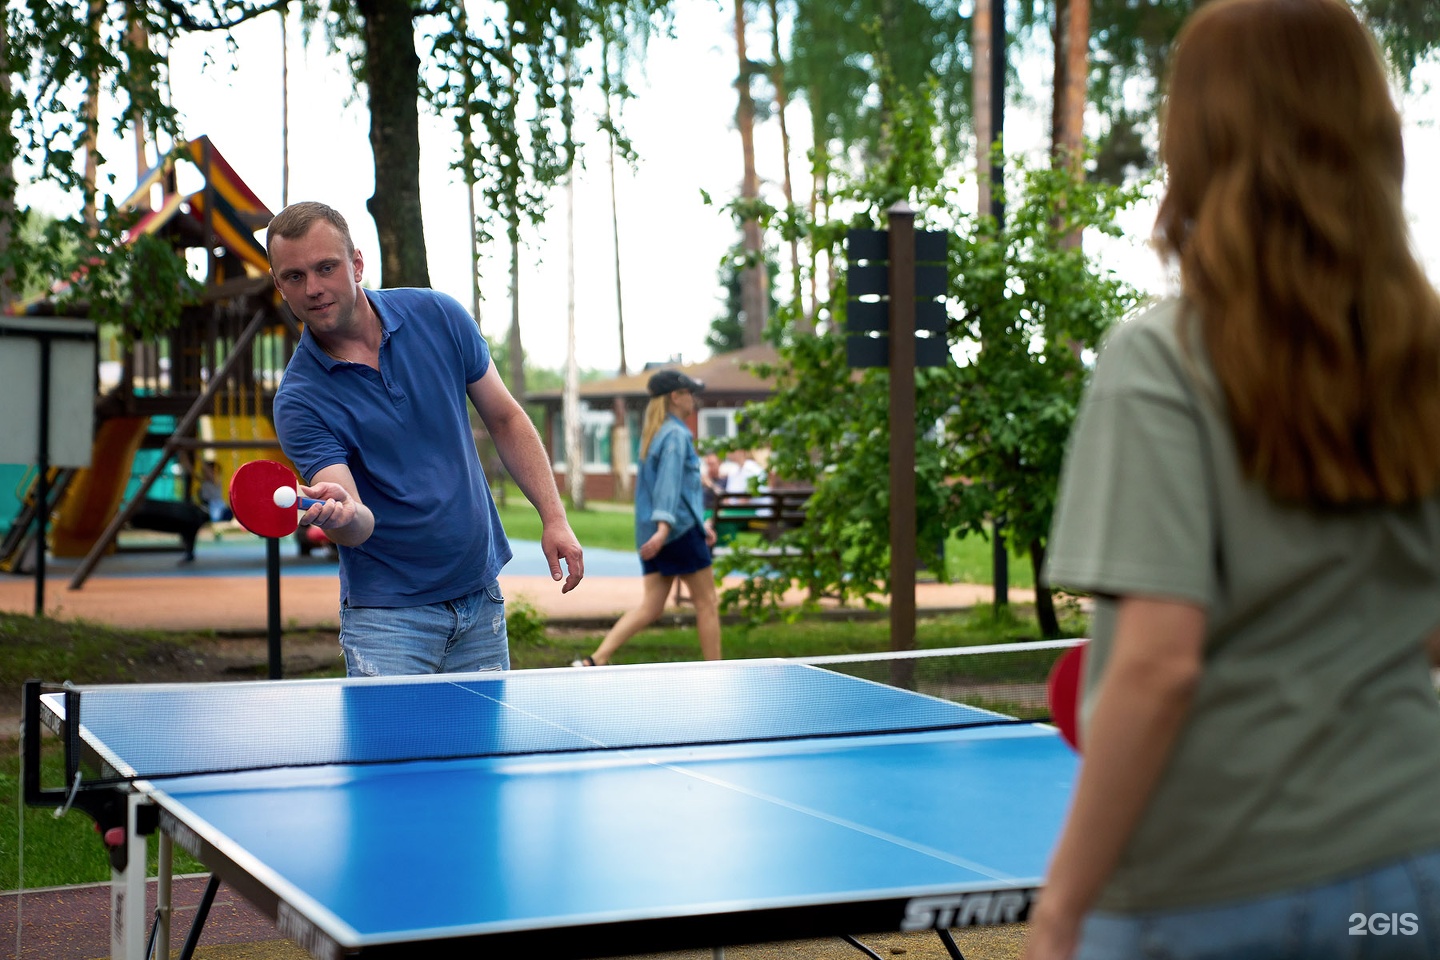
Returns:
(717,423)
(594,439)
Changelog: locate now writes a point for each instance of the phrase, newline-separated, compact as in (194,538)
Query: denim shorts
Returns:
(454,636)
(1391,910)
(687,553)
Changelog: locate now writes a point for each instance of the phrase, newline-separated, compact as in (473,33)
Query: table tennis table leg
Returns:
(860,946)
(164,894)
(950,944)
(127,890)
(202,912)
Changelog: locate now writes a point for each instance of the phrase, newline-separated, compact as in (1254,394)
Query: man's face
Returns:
(318,277)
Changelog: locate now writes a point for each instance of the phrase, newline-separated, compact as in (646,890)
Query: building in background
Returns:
(729,385)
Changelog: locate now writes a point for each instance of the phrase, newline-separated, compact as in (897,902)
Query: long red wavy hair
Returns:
(1283,208)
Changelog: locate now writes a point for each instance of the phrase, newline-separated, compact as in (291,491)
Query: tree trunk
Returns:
(284,12)
(92,121)
(393,84)
(512,221)
(1072,67)
(466,128)
(980,27)
(139,39)
(1044,601)
(753,278)
(777,76)
(574,428)
(7,173)
(512,342)
(620,430)
(819,184)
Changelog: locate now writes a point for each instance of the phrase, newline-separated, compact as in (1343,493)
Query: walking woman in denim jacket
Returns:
(671,532)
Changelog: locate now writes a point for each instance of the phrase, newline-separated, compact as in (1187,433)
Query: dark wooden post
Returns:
(902,427)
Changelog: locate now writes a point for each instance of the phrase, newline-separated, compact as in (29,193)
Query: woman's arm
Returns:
(1143,700)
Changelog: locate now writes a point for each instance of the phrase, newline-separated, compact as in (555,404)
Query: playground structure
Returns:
(211,380)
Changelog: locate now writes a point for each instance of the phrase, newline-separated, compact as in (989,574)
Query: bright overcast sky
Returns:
(682,125)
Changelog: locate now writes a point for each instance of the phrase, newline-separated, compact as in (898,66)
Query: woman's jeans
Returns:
(454,636)
(1392,910)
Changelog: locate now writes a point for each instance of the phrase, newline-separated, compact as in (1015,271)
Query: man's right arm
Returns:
(343,517)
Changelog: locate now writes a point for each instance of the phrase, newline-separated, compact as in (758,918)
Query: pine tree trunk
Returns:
(980,27)
(753,279)
(574,428)
(782,100)
(92,122)
(7,173)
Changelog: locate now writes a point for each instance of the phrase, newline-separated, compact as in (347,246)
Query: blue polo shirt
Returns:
(404,432)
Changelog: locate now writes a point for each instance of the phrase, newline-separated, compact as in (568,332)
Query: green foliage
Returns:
(524,625)
(138,286)
(991,431)
(1409,30)
(850,57)
(727,331)
(504,80)
(1031,303)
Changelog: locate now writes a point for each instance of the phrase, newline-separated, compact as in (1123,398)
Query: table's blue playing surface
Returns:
(399,852)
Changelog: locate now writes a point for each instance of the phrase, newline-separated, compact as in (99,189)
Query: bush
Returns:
(525,625)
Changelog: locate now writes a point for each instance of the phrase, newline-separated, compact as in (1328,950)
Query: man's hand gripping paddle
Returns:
(264,498)
(1062,689)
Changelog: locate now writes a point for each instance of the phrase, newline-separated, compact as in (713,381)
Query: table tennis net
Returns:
(160,731)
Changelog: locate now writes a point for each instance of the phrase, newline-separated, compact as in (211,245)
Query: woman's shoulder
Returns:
(1155,323)
(1158,344)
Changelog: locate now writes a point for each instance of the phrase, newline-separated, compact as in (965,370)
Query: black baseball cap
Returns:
(668,381)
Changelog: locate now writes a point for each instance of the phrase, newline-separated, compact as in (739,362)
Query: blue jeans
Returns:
(454,636)
(1392,910)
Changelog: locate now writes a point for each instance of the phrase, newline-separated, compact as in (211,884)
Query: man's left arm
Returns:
(525,459)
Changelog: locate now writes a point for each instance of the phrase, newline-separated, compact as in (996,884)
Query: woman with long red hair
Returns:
(1251,496)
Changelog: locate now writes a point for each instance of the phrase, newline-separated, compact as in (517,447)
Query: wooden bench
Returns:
(769,514)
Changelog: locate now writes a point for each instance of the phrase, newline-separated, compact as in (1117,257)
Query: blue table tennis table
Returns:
(591,812)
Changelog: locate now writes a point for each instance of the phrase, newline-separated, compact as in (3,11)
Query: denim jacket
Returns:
(669,487)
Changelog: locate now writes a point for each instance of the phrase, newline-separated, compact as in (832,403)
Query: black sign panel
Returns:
(930,246)
(869,279)
(930,280)
(861,317)
(862,351)
(867,244)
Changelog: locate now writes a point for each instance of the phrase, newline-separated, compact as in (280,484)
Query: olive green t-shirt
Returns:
(1313,745)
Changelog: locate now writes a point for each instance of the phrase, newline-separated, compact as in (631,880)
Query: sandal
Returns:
(583,662)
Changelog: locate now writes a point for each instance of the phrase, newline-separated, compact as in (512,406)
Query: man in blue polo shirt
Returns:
(373,412)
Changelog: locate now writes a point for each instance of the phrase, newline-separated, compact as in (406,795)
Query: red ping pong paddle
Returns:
(1062,689)
(257,491)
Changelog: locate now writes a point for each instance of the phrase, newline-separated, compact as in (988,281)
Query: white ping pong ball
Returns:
(285,497)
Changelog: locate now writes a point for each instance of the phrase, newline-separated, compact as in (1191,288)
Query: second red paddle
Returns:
(1062,689)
